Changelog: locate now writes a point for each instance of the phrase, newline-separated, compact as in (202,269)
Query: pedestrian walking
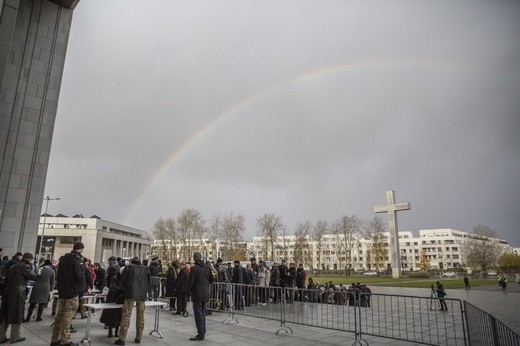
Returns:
(71,283)
(13,299)
(199,280)
(466,282)
(135,280)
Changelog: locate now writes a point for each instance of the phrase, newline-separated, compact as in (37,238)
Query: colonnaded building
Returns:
(101,238)
(438,248)
(34,36)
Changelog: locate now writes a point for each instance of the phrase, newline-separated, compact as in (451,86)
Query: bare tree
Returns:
(233,229)
(482,251)
(301,245)
(270,227)
(345,230)
(191,226)
(215,233)
(378,245)
(165,232)
(320,229)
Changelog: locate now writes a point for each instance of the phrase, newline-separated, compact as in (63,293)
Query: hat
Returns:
(236,262)
(219,260)
(28,255)
(135,260)
(78,246)
(112,259)
(197,256)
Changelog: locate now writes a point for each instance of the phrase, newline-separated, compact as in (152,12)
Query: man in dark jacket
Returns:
(155,280)
(135,280)
(182,289)
(171,277)
(238,279)
(199,281)
(71,283)
(13,301)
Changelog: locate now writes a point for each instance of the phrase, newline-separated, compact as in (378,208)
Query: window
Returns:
(69,240)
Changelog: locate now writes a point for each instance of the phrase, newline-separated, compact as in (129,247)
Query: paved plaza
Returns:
(254,331)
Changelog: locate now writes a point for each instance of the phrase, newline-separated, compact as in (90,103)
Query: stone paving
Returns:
(252,331)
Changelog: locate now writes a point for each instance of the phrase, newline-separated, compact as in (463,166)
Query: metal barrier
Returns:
(247,300)
(407,318)
(484,329)
(412,318)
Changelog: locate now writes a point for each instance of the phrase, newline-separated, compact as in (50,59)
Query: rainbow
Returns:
(240,106)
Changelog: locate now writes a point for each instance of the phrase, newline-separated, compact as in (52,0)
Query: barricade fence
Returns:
(422,320)
(407,318)
(485,330)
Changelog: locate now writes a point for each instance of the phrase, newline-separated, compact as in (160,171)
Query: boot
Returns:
(40,311)
(116,332)
(110,335)
(29,312)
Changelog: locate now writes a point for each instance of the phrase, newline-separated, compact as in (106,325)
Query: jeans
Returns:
(199,313)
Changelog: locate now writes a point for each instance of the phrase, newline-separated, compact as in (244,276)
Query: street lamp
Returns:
(47,199)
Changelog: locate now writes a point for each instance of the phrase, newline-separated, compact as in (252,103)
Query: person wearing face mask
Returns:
(13,301)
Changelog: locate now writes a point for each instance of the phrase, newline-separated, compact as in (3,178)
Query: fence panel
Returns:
(247,300)
(485,330)
(413,319)
(312,308)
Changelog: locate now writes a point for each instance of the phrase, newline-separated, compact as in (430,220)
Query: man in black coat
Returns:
(135,280)
(199,280)
(13,301)
(238,279)
(71,283)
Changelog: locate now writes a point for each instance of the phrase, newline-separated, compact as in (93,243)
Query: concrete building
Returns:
(211,250)
(34,36)
(101,238)
(442,248)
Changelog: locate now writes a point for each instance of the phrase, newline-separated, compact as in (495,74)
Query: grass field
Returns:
(403,282)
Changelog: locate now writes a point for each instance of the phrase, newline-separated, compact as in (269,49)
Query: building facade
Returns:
(34,36)
(101,238)
(440,248)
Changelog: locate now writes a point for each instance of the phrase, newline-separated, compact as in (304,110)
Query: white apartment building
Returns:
(210,250)
(443,248)
(101,238)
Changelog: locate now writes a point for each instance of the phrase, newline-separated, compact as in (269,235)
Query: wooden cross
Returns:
(392,208)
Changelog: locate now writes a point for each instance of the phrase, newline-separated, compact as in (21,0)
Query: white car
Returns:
(449,274)
(370,273)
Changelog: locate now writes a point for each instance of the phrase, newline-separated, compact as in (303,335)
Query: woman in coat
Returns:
(112,317)
(171,277)
(41,289)
(13,299)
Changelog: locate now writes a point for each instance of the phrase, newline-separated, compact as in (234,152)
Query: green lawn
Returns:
(403,282)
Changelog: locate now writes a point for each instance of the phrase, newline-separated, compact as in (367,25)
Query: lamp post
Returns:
(47,199)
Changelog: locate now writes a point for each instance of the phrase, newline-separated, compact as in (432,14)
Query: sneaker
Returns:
(137,341)
(119,342)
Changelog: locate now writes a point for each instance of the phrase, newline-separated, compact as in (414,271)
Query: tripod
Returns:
(432,295)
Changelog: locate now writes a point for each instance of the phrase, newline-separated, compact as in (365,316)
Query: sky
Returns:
(311,110)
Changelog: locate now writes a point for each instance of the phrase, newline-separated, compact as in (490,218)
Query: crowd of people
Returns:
(75,278)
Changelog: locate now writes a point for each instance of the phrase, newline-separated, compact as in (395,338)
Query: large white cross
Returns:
(392,208)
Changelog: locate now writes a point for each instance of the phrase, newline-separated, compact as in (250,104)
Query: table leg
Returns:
(87,329)
(156,324)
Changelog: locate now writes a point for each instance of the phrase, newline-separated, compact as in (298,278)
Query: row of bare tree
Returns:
(230,229)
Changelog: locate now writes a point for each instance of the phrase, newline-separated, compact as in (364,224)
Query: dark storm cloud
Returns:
(422,98)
